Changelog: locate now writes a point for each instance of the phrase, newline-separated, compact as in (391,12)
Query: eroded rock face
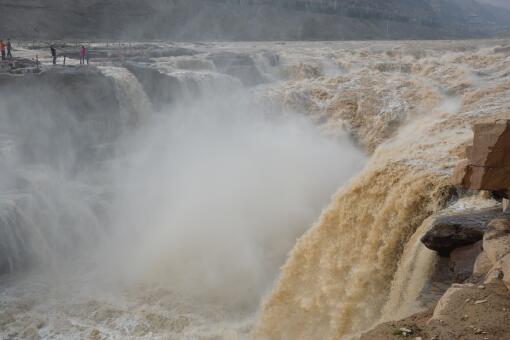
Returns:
(496,241)
(454,231)
(488,160)
(462,261)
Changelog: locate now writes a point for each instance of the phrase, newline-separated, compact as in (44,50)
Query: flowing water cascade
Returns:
(134,102)
(160,197)
(415,268)
(189,199)
(336,280)
(52,170)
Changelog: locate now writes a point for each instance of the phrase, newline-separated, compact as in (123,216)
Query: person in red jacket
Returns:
(2,48)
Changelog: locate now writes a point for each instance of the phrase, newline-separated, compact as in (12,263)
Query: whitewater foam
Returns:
(198,211)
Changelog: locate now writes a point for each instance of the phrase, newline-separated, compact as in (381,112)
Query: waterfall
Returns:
(343,275)
(414,269)
(196,84)
(57,134)
(335,279)
(161,198)
(201,197)
(134,103)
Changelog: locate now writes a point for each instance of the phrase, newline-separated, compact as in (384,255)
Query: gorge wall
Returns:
(250,20)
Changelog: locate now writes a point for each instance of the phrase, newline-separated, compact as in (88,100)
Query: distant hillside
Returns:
(497,3)
(251,19)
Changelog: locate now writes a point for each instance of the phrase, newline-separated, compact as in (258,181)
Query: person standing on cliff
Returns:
(83,52)
(9,49)
(53,54)
(2,49)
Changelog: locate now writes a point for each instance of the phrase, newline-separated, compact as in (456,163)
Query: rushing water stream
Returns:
(159,198)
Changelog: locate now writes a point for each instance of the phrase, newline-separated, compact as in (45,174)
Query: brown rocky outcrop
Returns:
(488,160)
(466,311)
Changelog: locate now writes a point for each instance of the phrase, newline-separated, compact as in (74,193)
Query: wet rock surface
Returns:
(462,261)
(439,282)
(453,231)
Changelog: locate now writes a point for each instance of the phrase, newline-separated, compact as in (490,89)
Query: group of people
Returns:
(84,56)
(3,47)
(6,51)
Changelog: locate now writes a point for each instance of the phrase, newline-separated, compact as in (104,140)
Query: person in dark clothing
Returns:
(54,54)
(9,49)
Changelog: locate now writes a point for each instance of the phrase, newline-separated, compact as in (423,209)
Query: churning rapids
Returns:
(162,196)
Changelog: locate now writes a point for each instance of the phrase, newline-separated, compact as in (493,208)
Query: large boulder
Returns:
(488,160)
(449,232)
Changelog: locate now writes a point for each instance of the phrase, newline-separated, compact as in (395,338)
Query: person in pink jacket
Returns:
(83,52)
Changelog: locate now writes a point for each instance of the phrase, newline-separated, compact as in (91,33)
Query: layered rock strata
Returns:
(488,160)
